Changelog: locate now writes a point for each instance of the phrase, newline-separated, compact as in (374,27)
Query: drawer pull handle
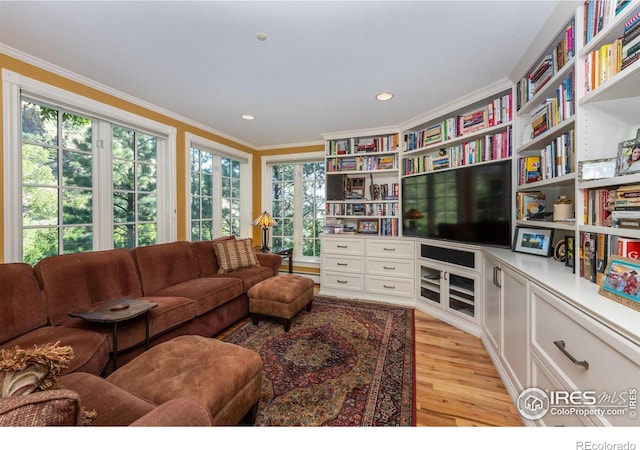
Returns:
(561,346)
(342,264)
(388,268)
(386,286)
(342,246)
(342,281)
(389,249)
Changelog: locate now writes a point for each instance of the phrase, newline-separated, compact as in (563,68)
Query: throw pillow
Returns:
(23,372)
(235,255)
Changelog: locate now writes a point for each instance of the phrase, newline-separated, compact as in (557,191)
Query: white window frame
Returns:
(267,200)
(14,85)
(246,175)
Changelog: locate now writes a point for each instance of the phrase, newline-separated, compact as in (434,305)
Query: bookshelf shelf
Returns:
(567,226)
(361,175)
(564,180)
(548,88)
(544,138)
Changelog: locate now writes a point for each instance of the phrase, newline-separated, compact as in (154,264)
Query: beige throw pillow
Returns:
(235,255)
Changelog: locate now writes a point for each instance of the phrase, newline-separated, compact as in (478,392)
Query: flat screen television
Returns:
(469,204)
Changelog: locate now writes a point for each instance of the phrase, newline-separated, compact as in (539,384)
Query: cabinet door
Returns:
(430,284)
(462,293)
(515,327)
(491,302)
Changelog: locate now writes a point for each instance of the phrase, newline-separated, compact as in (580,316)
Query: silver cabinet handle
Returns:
(388,287)
(389,249)
(342,281)
(561,346)
(342,246)
(388,268)
(496,277)
(342,264)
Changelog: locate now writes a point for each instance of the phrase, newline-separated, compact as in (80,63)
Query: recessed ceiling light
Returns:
(261,36)
(248,117)
(384,96)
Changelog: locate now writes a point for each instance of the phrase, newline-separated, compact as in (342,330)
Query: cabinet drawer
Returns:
(346,264)
(390,267)
(343,246)
(342,281)
(613,362)
(390,248)
(393,286)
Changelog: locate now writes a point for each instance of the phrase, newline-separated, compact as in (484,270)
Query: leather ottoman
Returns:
(226,378)
(282,296)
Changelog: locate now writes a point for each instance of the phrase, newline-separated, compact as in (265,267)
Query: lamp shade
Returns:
(414,214)
(264,220)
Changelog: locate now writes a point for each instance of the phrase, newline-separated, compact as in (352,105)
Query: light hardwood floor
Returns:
(456,382)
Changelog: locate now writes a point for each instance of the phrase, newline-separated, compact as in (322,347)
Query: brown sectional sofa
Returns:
(181,277)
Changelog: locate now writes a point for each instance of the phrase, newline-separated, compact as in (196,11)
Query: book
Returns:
(570,260)
(532,171)
(602,256)
(530,203)
(628,247)
(589,252)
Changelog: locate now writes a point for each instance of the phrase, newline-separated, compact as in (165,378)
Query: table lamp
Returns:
(265,221)
(413,215)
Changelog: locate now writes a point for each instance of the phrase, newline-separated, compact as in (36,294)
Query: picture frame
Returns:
(628,160)
(535,241)
(597,169)
(366,226)
(355,188)
(621,281)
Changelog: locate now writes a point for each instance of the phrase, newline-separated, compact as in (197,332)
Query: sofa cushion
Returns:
(164,265)
(206,293)
(76,281)
(22,307)
(249,277)
(90,348)
(235,254)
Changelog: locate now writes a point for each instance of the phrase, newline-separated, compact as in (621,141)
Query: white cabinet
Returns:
(448,290)
(583,355)
(506,323)
(369,268)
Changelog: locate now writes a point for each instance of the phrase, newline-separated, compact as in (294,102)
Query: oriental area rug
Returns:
(344,363)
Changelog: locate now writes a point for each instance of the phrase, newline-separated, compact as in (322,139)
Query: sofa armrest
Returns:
(113,405)
(40,409)
(270,260)
(179,412)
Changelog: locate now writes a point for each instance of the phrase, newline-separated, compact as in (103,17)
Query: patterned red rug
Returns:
(345,363)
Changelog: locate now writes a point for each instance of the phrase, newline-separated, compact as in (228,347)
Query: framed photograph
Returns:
(597,169)
(355,188)
(536,241)
(621,281)
(628,157)
(368,226)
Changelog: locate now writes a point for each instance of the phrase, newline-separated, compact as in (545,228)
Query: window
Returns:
(57,182)
(220,189)
(297,204)
(87,176)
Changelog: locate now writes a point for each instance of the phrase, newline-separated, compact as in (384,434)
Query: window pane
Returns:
(39,165)
(76,169)
(195,230)
(123,175)
(207,184)
(206,159)
(39,243)
(147,148)
(40,206)
(124,236)
(147,207)
(77,239)
(78,208)
(76,132)
(207,230)
(207,208)
(123,207)
(122,143)
(39,124)
(195,207)
(147,233)
(146,177)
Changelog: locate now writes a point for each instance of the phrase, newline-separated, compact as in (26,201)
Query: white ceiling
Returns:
(317,72)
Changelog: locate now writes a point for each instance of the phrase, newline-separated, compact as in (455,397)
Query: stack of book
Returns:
(626,213)
(529,169)
(541,74)
(631,42)
(474,121)
(596,249)
(599,205)
(598,14)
